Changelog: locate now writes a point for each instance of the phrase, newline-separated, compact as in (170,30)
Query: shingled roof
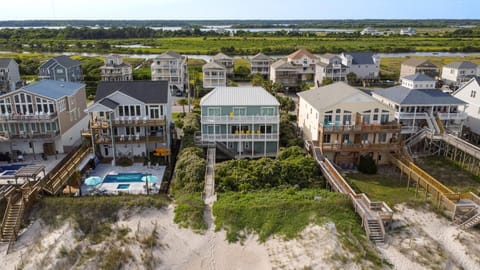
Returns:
(301,53)
(145,91)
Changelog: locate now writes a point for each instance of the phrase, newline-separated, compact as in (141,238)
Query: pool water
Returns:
(123,186)
(9,172)
(12,167)
(123,178)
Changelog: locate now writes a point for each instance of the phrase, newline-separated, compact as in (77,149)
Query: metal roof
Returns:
(53,89)
(213,65)
(464,64)
(65,61)
(414,62)
(260,56)
(405,96)
(4,62)
(144,91)
(282,64)
(109,103)
(299,54)
(239,96)
(220,56)
(327,96)
(418,77)
(169,54)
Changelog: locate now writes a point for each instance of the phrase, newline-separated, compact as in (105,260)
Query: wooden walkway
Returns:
(374,215)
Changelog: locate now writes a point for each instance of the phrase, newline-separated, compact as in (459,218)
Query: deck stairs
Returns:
(12,219)
(472,221)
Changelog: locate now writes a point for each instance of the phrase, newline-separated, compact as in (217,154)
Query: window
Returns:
(327,119)
(346,138)
(384,119)
(326,138)
(473,93)
(382,137)
(267,110)
(213,111)
(59,70)
(239,111)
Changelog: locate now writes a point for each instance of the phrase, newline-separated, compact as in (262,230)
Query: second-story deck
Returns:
(36,117)
(361,128)
(129,121)
(239,119)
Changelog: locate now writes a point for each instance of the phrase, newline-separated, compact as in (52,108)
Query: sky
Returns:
(239,9)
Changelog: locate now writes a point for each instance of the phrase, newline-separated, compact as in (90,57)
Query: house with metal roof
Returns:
(114,69)
(457,73)
(285,73)
(260,64)
(242,122)
(172,67)
(366,65)
(305,63)
(61,68)
(469,93)
(226,61)
(346,123)
(330,66)
(214,75)
(417,106)
(9,75)
(43,117)
(412,66)
(130,119)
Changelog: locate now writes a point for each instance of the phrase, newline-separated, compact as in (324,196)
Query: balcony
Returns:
(30,136)
(127,139)
(235,119)
(37,117)
(239,137)
(361,147)
(129,121)
(453,116)
(406,115)
(362,128)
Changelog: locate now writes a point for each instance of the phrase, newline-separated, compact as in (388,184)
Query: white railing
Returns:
(452,116)
(239,119)
(418,115)
(28,117)
(238,137)
(409,129)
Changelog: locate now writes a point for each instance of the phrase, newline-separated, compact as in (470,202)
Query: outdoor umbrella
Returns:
(93,181)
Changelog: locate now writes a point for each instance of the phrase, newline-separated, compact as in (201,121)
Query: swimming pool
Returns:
(123,178)
(13,167)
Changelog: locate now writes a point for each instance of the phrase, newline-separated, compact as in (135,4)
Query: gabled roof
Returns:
(213,65)
(169,54)
(418,77)
(405,96)
(239,96)
(462,65)
(260,56)
(325,97)
(415,62)
(362,58)
(301,53)
(220,56)
(4,62)
(66,61)
(473,79)
(144,91)
(53,89)
(328,55)
(282,64)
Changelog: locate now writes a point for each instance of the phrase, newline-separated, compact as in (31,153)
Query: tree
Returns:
(286,103)
(182,102)
(327,81)
(257,80)
(272,87)
(351,77)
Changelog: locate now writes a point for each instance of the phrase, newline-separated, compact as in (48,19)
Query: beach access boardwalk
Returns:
(209,194)
(375,215)
(22,196)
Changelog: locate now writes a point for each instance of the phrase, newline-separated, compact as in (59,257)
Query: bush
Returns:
(367,165)
(190,170)
(189,211)
(124,162)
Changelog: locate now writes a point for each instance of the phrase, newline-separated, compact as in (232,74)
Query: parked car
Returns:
(179,93)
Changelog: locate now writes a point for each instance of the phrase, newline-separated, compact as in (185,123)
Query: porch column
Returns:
(113,139)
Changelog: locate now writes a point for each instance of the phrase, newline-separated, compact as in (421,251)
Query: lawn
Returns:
(450,174)
(386,186)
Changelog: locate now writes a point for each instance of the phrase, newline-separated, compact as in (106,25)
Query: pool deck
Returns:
(49,164)
(134,187)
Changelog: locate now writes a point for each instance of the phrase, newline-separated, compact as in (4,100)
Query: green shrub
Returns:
(190,170)
(124,162)
(367,165)
(189,211)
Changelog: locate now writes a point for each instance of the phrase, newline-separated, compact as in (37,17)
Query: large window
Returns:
(214,111)
(239,111)
(268,110)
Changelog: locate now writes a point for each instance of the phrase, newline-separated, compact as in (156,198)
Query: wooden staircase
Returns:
(375,231)
(12,219)
(471,222)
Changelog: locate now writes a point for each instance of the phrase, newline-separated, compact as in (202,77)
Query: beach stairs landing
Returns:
(12,219)
(471,222)
(376,234)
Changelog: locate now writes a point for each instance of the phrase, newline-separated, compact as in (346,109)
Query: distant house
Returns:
(214,75)
(369,31)
(457,73)
(408,31)
(9,75)
(243,122)
(226,61)
(305,63)
(260,64)
(419,105)
(130,118)
(114,69)
(43,117)
(172,67)
(470,93)
(347,123)
(366,65)
(61,68)
(285,73)
(414,65)
(330,66)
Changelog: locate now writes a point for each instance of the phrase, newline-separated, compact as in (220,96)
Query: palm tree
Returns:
(182,102)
